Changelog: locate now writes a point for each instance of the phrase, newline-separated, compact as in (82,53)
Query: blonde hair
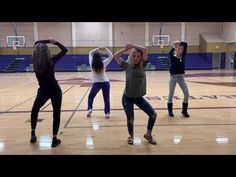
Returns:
(41,57)
(130,58)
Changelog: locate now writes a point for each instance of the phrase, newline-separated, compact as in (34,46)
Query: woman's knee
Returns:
(186,94)
(154,116)
(131,120)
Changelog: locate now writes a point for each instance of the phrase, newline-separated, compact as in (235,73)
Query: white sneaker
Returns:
(107,116)
(89,113)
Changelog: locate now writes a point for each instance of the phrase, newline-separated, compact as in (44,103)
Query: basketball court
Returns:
(211,128)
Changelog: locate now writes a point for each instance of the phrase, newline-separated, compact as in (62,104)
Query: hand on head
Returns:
(53,41)
(176,43)
(128,47)
(102,48)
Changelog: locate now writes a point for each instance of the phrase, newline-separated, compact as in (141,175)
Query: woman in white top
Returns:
(99,79)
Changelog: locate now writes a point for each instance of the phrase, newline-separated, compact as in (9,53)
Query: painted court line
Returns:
(76,108)
(117,109)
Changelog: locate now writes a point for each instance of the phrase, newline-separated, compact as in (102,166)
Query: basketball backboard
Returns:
(161,40)
(18,41)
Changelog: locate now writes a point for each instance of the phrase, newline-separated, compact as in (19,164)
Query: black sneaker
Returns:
(130,140)
(171,114)
(185,114)
(56,142)
(33,139)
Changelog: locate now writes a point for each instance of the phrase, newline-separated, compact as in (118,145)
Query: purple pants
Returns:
(105,86)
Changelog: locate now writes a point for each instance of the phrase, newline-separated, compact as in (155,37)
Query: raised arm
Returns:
(185,48)
(118,54)
(63,51)
(110,55)
(91,55)
(47,41)
(142,48)
(175,44)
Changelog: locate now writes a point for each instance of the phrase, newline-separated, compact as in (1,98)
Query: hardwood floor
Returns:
(211,128)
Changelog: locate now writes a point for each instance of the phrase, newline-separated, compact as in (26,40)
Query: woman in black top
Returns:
(48,86)
(177,59)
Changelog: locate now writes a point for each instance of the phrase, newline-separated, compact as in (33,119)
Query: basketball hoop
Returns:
(14,46)
(161,43)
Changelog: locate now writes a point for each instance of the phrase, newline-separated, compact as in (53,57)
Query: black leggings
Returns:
(44,93)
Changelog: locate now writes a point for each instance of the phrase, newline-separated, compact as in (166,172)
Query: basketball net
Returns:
(161,43)
(14,46)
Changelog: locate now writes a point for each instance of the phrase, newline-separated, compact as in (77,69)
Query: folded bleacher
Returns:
(74,63)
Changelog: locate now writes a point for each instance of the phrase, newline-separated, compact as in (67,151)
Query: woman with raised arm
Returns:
(177,69)
(135,89)
(99,79)
(49,88)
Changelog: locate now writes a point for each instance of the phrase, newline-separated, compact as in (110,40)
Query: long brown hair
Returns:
(97,64)
(41,57)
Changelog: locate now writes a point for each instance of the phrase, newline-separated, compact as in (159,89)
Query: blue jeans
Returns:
(128,105)
(105,86)
(178,78)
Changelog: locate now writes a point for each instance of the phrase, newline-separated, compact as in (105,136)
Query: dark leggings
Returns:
(44,93)
(128,105)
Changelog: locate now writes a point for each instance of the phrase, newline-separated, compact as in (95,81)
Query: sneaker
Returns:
(89,113)
(56,142)
(130,140)
(33,139)
(107,116)
(150,139)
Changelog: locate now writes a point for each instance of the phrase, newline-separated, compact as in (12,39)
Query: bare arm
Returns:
(118,54)
(142,48)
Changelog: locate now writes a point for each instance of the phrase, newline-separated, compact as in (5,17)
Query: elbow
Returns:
(35,43)
(117,55)
(144,49)
(116,58)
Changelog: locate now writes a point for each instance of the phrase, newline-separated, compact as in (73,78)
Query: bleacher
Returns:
(193,61)
(5,61)
(70,63)
(67,63)
(196,61)
(23,65)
